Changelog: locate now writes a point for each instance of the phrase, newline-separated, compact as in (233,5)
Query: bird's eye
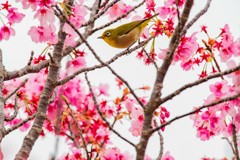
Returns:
(107,34)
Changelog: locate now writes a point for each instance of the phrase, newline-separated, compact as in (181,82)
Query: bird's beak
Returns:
(100,37)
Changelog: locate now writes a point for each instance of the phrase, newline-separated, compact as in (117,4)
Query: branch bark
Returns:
(50,84)
(155,99)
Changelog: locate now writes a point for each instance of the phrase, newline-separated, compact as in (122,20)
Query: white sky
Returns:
(179,138)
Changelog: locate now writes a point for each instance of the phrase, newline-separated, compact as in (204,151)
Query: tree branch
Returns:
(118,18)
(102,116)
(196,110)
(14,115)
(2,115)
(16,126)
(189,85)
(49,86)
(15,91)
(235,144)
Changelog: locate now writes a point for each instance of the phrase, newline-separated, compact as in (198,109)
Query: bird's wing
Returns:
(132,25)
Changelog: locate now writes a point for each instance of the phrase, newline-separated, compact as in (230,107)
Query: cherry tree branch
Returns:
(98,66)
(200,81)
(100,13)
(25,70)
(155,98)
(196,17)
(16,126)
(15,91)
(196,110)
(161,141)
(99,59)
(2,115)
(120,17)
(52,77)
(102,116)
(14,115)
(235,144)
(78,128)
(231,145)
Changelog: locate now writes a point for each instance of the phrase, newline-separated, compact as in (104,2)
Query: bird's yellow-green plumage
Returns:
(126,34)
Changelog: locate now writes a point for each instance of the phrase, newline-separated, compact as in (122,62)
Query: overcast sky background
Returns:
(179,138)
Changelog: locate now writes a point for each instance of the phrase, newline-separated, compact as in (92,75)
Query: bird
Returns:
(125,35)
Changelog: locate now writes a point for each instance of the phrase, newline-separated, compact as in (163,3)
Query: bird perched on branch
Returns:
(125,35)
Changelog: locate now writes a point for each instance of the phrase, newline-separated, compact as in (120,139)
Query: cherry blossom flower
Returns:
(13,16)
(43,34)
(44,15)
(6,32)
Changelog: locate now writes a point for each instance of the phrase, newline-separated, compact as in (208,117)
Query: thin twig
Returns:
(78,128)
(30,59)
(16,126)
(235,144)
(161,141)
(189,85)
(15,91)
(100,13)
(98,66)
(196,17)
(196,110)
(73,137)
(102,116)
(177,8)
(119,18)
(231,145)
(15,111)
(98,58)
(152,60)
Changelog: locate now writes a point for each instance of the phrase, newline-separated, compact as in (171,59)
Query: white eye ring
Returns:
(107,34)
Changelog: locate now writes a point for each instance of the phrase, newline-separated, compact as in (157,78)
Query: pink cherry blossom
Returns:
(115,153)
(137,118)
(187,47)
(118,9)
(72,35)
(167,156)
(45,15)
(103,89)
(43,34)
(6,32)
(13,16)
(29,3)
(228,49)
(75,64)
(219,88)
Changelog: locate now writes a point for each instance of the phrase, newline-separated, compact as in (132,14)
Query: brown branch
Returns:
(102,116)
(125,52)
(196,17)
(15,91)
(196,110)
(30,59)
(78,128)
(231,145)
(189,85)
(155,98)
(152,60)
(161,141)
(25,70)
(98,58)
(100,13)
(16,126)
(2,115)
(49,86)
(235,144)
(14,115)
(73,137)
(119,18)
